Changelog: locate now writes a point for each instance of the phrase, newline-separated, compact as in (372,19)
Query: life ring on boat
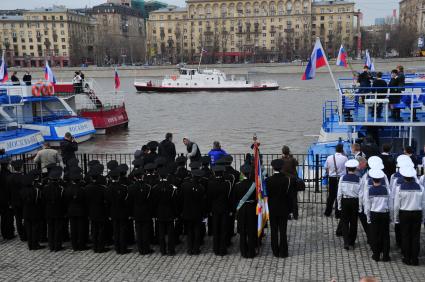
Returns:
(44,90)
(50,90)
(36,89)
(174,77)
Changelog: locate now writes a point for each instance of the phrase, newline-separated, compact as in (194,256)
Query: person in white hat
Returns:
(348,203)
(396,180)
(378,209)
(409,211)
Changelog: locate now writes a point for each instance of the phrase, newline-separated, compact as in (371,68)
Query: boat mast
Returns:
(200,59)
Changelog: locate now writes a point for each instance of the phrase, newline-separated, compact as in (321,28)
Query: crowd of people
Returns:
(378,190)
(158,202)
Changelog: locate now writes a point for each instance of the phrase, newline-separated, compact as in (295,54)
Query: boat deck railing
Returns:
(364,106)
(106,100)
(153,82)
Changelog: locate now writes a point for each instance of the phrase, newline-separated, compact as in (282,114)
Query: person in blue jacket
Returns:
(216,153)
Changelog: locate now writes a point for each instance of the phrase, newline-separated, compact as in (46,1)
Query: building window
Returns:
(64,47)
(63,39)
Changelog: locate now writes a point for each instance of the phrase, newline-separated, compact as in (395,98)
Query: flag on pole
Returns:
(4,76)
(204,51)
(342,58)
(317,60)
(117,80)
(369,62)
(262,204)
(48,74)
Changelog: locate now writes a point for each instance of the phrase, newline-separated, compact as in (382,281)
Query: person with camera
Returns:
(68,148)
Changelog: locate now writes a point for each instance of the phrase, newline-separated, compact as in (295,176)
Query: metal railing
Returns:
(310,169)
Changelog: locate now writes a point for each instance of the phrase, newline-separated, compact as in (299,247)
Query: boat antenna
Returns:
(200,58)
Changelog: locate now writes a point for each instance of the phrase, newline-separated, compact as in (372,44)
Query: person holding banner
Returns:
(279,188)
(245,202)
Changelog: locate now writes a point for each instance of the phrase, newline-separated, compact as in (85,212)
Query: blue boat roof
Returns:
(40,99)
(14,133)
(62,121)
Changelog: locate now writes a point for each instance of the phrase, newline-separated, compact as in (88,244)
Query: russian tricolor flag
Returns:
(4,76)
(117,80)
(48,74)
(342,58)
(317,60)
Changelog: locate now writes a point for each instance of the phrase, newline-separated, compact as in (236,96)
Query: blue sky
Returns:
(371,8)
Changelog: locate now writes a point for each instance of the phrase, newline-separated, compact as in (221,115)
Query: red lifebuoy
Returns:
(36,90)
(44,90)
(50,90)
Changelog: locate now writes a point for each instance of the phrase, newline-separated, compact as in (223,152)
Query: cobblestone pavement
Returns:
(315,255)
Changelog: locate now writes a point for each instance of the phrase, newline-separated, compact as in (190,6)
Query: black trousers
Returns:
(19,222)
(32,229)
(410,225)
(78,232)
(120,227)
(294,204)
(220,228)
(98,235)
(193,230)
(333,192)
(55,228)
(380,233)
(279,240)
(131,238)
(397,232)
(43,230)
(210,225)
(230,229)
(365,225)
(143,234)
(167,228)
(349,218)
(7,229)
(109,232)
(247,226)
(154,231)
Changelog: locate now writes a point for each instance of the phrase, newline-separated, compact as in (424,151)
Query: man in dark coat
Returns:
(16,185)
(117,195)
(165,198)
(6,212)
(245,203)
(193,152)
(141,210)
(364,79)
(388,160)
(32,208)
(279,195)
(68,148)
(76,209)
(97,207)
(380,87)
(193,200)
(55,209)
(218,196)
(167,149)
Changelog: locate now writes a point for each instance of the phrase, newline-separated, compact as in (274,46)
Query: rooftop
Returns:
(171,9)
(331,2)
(11,18)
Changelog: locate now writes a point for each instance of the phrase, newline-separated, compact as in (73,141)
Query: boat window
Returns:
(169,83)
(178,83)
(192,72)
(212,78)
(184,72)
(196,83)
(187,84)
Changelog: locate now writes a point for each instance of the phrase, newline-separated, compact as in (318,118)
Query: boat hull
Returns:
(141,88)
(20,141)
(105,121)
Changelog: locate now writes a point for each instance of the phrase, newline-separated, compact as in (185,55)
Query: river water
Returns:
(288,116)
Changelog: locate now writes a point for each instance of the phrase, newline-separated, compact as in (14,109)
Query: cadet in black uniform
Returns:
(117,196)
(219,197)
(77,211)
(124,180)
(279,193)
(165,202)
(151,178)
(246,205)
(6,212)
(32,209)
(55,209)
(207,222)
(141,207)
(97,207)
(193,200)
(15,184)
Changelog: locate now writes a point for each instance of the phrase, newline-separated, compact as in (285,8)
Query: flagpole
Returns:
(329,67)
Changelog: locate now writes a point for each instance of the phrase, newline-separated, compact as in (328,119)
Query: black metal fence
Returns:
(310,169)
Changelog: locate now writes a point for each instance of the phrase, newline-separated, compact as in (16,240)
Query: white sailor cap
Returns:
(408,171)
(376,173)
(375,163)
(403,160)
(352,163)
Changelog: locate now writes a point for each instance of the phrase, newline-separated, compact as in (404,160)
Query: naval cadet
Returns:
(409,211)
(117,195)
(246,204)
(55,208)
(7,228)
(77,212)
(165,209)
(349,189)
(378,209)
(193,201)
(32,208)
(279,189)
(218,196)
(15,183)
(141,209)
(97,207)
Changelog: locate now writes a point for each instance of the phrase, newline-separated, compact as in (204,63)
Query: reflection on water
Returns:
(277,117)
